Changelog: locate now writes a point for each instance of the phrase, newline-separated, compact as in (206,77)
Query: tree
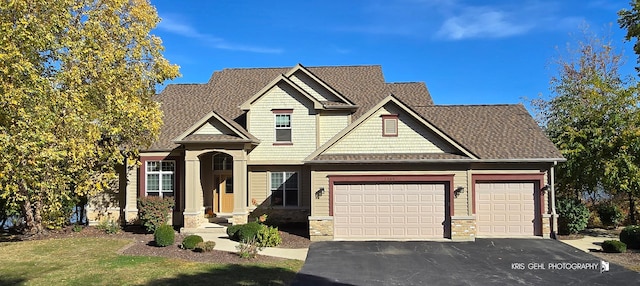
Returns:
(595,122)
(76,81)
(630,20)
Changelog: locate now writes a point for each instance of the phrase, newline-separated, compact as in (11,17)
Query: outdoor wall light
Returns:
(545,188)
(319,192)
(459,190)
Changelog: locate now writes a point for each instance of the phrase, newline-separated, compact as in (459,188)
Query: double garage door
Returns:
(389,211)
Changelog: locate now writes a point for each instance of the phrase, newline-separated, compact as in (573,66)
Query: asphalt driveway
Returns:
(483,262)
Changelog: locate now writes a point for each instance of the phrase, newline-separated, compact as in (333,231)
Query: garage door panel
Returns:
(388,211)
(505,209)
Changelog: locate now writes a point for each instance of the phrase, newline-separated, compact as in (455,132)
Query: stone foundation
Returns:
(97,215)
(193,220)
(546,225)
(320,228)
(239,218)
(281,215)
(463,228)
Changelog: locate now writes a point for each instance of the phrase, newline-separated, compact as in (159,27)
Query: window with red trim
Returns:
(390,125)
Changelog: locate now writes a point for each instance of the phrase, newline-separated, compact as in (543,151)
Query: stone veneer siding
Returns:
(546,225)
(463,228)
(320,228)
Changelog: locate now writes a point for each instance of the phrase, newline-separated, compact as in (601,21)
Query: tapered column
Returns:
(193,200)
(240,183)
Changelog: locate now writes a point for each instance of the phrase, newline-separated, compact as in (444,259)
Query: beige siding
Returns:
(312,87)
(258,188)
(132,189)
(303,124)
(330,124)
(213,127)
(320,179)
(367,138)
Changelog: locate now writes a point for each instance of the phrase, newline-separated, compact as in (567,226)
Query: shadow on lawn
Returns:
(233,274)
(11,281)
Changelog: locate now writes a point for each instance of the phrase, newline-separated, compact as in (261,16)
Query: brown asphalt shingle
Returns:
(492,131)
(183,105)
(488,131)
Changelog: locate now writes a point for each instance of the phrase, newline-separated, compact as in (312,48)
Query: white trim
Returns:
(160,174)
(276,128)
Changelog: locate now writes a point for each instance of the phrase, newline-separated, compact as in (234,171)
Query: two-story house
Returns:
(352,155)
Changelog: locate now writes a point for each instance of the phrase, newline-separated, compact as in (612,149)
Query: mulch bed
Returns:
(142,244)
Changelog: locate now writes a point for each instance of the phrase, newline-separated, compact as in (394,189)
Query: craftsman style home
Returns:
(356,157)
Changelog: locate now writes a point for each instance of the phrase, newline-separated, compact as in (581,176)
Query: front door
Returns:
(224,194)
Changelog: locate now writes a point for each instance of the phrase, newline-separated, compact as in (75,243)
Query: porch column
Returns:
(193,200)
(240,189)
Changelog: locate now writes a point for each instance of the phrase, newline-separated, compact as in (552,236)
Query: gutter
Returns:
(531,160)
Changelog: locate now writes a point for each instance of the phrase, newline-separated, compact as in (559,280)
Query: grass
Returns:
(94,261)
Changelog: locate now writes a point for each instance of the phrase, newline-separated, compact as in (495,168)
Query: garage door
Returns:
(505,209)
(389,211)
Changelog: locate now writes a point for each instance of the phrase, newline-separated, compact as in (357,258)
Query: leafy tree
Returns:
(630,20)
(595,122)
(76,81)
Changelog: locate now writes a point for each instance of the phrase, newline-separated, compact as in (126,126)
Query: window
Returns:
(222,162)
(283,127)
(284,189)
(390,125)
(160,178)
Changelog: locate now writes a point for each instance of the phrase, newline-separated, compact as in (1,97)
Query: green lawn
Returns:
(94,261)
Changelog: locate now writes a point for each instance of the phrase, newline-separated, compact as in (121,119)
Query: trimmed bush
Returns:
(191,241)
(268,237)
(610,214)
(154,211)
(573,216)
(205,246)
(249,231)
(232,231)
(164,235)
(613,246)
(630,235)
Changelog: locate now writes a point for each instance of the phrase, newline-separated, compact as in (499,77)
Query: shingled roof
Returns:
(185,104)
(492,131)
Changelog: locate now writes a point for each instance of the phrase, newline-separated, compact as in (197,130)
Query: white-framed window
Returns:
(390,125)
(160,178)
(283,127)
(284,189)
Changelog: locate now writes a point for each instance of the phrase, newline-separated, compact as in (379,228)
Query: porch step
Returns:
(206,228)
(219,220)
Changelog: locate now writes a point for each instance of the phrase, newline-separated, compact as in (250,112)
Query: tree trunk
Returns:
(632,209)
(31,215)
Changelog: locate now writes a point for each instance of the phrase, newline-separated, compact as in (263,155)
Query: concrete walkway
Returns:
(223,243)
(589,243)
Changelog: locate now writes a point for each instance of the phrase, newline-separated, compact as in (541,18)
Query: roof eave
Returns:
(524,160)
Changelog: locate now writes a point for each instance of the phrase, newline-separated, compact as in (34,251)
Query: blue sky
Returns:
(467,52)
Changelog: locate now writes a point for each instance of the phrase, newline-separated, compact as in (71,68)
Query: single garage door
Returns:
(505,209)
(388,211)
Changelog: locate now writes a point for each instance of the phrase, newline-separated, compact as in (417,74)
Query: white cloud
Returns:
(174,26)
(481,24)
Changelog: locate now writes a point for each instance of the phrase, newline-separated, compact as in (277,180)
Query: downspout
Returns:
(554,215)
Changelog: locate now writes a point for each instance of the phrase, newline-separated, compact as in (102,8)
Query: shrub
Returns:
(164,235)
(205,246)
(109,226)
(630,235)
(613,246)
(154,211)
(610,214)
(77,228)
(232,231)
(268,237)
(573,216)
(249,231)
(248,249)
(191,241)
